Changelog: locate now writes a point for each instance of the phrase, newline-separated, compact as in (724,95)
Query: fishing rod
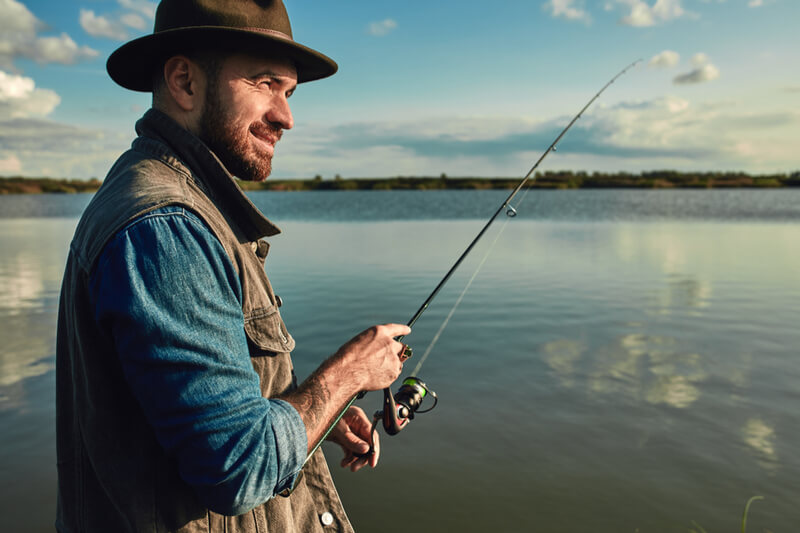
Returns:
(399,408)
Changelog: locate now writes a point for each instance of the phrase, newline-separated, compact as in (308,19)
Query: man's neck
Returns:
(187,120)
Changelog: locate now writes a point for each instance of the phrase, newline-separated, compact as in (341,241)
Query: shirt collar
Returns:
(205,165)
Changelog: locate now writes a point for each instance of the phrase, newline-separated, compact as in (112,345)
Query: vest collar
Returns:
(207,168)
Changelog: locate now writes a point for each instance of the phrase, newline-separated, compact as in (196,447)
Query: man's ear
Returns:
(184,81)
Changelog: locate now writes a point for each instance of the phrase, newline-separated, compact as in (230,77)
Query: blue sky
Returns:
(462,87)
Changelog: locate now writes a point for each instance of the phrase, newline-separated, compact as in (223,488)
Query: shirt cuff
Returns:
(291,442)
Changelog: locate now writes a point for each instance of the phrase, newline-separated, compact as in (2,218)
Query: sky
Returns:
(462,87)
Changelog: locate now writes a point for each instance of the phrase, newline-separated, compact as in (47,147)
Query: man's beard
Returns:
(231,145)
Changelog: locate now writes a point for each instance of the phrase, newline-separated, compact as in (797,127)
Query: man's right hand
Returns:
(373,356)
(369,361)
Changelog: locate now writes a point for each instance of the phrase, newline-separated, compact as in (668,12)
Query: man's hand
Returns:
(369,361)
(373,356)
(352,433)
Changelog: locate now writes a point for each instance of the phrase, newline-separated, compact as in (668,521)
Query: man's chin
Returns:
(255,171)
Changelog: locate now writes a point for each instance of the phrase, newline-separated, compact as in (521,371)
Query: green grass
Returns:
(697,528)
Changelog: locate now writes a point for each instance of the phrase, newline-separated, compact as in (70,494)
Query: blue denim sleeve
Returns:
(169,295)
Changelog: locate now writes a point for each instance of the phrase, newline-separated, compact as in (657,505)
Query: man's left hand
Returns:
(352,433)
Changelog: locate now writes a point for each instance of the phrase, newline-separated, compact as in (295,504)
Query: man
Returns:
(176,403)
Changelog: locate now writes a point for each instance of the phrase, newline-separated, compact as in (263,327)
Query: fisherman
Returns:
(177,406)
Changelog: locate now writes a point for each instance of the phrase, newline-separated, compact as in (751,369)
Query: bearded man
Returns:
(177,406)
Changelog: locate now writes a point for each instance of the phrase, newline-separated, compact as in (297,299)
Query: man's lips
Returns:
(265,134)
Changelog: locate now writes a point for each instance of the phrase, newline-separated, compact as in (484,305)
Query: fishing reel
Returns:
(400,408)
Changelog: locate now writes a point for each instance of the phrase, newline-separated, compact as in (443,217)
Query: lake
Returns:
(625,360)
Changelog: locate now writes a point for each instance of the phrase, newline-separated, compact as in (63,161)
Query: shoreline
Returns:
(664,179)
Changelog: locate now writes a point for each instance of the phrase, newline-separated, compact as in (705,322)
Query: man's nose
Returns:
(280,113)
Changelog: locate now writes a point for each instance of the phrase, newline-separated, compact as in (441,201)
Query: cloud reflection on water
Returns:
(34,251)
(643,367)
(760,437)
(648,368)
(21,284)
(682,293)
(562,356)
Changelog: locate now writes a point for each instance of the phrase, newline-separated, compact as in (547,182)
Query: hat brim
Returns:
(132,64)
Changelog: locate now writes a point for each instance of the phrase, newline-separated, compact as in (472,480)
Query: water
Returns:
(735,205)
(625,360)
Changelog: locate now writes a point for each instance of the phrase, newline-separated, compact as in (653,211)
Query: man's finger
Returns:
(358,464)
(395,330)
(376,450)
(354,443)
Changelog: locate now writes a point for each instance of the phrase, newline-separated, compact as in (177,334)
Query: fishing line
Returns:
(458,301)
(511,213)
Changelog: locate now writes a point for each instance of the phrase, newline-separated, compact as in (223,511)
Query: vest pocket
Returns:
(266,331)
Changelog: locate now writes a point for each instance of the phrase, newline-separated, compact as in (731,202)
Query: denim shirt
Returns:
(171,297)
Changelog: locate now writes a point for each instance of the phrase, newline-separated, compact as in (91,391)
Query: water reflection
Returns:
(643,367)
(760,437)
(31,266)
(649,368)
(675,390)
(562,357)
(682,293)
(21,284)
(17,369)
(22,310)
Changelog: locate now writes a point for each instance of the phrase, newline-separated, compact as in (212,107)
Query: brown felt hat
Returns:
(253,26)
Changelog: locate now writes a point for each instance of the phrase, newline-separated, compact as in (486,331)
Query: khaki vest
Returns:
(112,474)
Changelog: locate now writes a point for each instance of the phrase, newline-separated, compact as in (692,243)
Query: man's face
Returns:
(245,112)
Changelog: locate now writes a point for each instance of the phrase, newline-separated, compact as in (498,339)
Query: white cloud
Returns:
(13,87)
(100,26)
(132,20)
(699,59)
(755,3)
(19,98)
(667,58)
(703,71)
(381,28)
(143,7)
(10,164)
(48,148)
(15,17)
(19,30)
(643,14)
(640,14)
(666,132)
(668,9)
(61,49)
(568,10)
(113,26)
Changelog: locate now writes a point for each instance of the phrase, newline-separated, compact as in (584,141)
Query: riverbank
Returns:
(660,179)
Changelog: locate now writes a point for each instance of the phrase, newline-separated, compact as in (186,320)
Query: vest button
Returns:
(326,518)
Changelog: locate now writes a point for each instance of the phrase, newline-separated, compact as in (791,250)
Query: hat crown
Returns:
(253,26)
(264,15)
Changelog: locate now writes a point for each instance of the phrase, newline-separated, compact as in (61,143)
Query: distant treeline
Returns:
(18,185)
(658,179)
